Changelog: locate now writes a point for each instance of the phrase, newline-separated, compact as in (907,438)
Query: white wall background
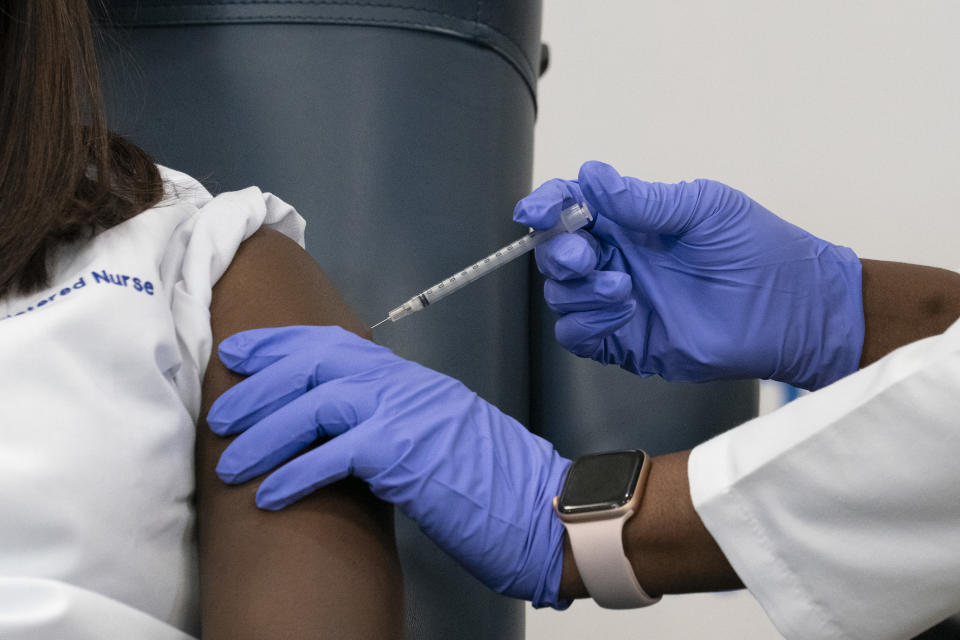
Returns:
(842,116)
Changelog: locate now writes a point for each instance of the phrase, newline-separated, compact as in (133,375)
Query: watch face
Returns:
(601,482)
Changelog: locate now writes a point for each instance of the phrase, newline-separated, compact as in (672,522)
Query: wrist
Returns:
(571,584)
(668,546)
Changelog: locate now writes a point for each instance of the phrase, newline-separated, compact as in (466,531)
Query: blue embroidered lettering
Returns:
(119,279)
(100,277)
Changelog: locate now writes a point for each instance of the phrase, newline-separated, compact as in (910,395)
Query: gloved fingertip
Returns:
(566,257)
(234,349)
(226,472)
(520,212)
(219,427)
(590,166)
(537,211)
(269,499)
(613,286)
(269,505)
(218,422)
(541,209)
(597,178)
(575,337)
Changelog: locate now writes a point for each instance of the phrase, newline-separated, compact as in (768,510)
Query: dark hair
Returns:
(63,175)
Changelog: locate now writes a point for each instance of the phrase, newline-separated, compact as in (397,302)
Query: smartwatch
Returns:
(600,493)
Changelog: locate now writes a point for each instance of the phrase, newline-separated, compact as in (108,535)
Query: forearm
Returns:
(670,549)
(903,303)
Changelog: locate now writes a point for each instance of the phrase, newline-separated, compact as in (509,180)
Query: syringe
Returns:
(571,219)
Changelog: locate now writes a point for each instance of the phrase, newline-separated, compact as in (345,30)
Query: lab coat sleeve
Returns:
(841,511)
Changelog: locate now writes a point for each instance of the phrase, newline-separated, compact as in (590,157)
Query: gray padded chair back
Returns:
(403,133)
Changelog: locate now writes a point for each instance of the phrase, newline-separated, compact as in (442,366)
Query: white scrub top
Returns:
(99,398)
(841,511)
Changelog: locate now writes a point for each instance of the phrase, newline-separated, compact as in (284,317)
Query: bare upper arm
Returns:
(326,566)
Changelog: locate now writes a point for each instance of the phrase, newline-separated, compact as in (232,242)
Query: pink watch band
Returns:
(604,568)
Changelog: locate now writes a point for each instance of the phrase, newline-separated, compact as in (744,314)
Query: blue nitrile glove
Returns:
(479,484)
(695,281)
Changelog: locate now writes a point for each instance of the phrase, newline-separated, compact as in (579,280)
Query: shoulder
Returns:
(273,282)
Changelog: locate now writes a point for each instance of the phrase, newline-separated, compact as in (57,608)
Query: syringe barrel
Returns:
(572,218)
(479,269)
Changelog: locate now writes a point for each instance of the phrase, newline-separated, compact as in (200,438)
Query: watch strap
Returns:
(604,567)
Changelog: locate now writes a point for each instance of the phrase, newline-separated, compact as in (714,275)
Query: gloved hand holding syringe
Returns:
(572,218)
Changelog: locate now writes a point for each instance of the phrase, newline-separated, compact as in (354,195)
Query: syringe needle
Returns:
(379,323)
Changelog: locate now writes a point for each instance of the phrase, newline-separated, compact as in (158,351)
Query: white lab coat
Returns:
(99,398)
(841,511)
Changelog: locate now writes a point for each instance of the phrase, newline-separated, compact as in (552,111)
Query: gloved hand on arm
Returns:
(478,483)
(695,281)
